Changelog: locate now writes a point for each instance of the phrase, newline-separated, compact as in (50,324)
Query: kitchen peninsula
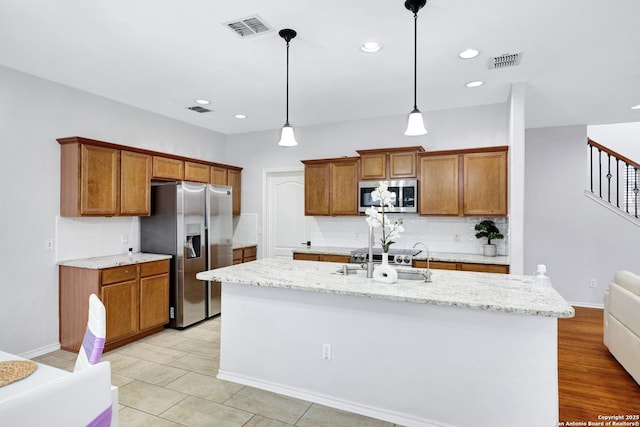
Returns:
(467,349)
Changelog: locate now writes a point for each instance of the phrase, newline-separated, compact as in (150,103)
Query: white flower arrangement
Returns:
(390,230)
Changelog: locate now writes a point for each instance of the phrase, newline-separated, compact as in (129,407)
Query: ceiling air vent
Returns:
(250,26)
(198,109)
(505,60)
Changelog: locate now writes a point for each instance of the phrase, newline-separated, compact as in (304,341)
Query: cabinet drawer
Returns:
(154,268)
(249,252)
(118,274)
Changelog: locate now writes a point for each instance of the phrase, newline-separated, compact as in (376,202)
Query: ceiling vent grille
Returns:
(198,109)
(249,26)
(505,60)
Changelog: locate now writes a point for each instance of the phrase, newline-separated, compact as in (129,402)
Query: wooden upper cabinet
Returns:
(135,184)
(99,178)
(219,175)
(316,188)
(168,168)
(344,187)
(89,180)
(439,185)
(196,172)
(331,186)
(485,183)
(389,163)
(470,182)
(235,181)
(373,166)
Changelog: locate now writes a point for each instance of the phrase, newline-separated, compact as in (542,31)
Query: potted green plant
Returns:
(487,228)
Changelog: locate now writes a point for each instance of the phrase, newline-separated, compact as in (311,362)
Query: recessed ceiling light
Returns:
(240,116)
(371,47)
(475,83)
(636,107)
(469,53)
(203,101)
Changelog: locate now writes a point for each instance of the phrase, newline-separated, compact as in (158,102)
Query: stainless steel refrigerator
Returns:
(193,222)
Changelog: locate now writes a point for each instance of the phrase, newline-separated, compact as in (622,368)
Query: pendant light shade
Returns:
(415,125)
(287,138)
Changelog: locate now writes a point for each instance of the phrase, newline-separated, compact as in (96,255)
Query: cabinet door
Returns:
(99,180)
(316,189)
(485,183)
(121,303)
(439,185)
(373,166)
(344,188)
(135,183)
(154,301)
(167,168)
(402,165)
(219,175)
(196,172)
(235,181)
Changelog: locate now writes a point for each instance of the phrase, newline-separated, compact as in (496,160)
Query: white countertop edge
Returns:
(108,261)
(477,291)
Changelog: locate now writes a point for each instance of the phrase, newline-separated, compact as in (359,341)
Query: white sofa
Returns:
(622,321)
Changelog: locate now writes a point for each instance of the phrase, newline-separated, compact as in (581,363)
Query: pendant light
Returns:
(287,139)
(415,125)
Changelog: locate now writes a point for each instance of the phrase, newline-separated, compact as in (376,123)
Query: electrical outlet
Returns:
(326,351)
(593,283)
(456,237)
(124,239)
(48,245)
(356,235)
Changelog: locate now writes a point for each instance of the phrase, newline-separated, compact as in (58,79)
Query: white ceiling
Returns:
(581,58)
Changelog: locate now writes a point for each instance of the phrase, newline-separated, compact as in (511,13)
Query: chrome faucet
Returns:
(370,259)
(427,277)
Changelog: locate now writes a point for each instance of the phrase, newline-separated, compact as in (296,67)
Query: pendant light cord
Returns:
(415,61)
(287,121)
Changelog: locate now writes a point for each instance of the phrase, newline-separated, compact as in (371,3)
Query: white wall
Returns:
(448,129)
(33,113)
(575,237)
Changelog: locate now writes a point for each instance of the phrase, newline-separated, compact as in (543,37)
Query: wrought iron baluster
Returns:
(591,165)
(617,182)
(635,190)
(608,176)
(600,170)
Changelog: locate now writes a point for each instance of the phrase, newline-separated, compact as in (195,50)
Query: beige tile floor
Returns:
(169,380)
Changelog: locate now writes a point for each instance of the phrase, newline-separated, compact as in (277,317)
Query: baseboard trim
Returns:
(390,416)
(40,351)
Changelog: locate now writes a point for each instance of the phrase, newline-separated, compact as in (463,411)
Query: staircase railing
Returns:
(615,179)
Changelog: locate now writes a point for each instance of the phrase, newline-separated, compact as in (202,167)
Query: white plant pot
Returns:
(489,250)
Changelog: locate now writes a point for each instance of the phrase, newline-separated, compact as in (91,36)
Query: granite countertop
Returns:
(435,256)
(477,291)
(108,261)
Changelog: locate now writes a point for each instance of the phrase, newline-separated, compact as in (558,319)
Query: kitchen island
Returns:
(467,349)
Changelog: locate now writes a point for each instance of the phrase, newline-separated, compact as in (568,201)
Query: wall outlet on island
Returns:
(326,351)
(593,283)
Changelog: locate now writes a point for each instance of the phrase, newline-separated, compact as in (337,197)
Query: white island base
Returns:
(408,363)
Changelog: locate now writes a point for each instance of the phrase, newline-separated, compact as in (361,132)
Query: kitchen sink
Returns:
(403,274)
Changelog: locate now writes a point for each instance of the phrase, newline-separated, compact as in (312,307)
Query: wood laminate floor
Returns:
(591,383)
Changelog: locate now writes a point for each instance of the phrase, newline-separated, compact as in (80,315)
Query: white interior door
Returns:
(284,212)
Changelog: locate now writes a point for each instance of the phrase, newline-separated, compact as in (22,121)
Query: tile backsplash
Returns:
(440,234)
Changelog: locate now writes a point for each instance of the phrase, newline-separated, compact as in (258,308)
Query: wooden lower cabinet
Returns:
(463,266)
(321,257)
(135,296)
(245,254)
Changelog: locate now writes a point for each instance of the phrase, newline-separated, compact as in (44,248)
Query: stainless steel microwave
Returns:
(404,195)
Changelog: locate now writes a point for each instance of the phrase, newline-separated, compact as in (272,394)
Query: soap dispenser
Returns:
(540,278)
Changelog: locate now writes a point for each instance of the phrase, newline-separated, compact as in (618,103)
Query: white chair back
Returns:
(95,335)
